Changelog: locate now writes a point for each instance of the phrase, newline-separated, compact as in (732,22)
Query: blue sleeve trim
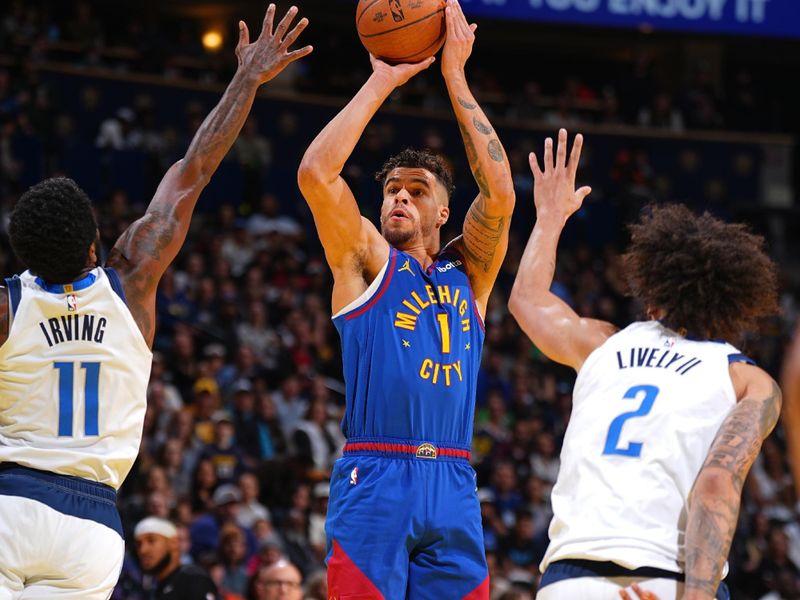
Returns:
(733,358)
(116,284)
(14,285)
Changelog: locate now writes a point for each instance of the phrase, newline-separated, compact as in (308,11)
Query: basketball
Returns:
(401,31)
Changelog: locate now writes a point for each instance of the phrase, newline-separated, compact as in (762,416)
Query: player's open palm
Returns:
(459,40)
(270,54)
(554,192)
(400,73)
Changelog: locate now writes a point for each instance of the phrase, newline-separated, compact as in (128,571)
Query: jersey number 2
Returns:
(633,449)
(66,376)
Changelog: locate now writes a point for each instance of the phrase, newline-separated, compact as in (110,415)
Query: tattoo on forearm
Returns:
(482,234)
(221,127)
(496,151)
(474,161)
(481,126)
(465,104)
(712,521)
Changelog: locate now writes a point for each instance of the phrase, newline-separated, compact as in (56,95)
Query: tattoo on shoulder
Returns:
(496,150)
(465,104)
(481,126)
(482,234)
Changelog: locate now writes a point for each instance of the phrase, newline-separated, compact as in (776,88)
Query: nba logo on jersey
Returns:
(354,476)
(72,303)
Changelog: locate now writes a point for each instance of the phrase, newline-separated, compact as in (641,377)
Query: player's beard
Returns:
(160,565)
(398,237)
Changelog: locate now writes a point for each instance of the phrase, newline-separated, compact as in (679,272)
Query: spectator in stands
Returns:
(157,548)
(250,510)
(280,581)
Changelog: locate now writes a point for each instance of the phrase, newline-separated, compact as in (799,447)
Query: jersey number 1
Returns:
(633,449)
(66,376)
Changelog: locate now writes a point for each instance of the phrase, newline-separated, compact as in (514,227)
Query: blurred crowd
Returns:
(246,390)
(631,88)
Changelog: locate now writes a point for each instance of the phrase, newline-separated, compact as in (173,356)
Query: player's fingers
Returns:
(561,150)
(624,595)
(244,35)
(299,53)
(548,155)
(537,172)
(575,155)
(581,193)
(283,26)
(294,33)
(473,27)
(266,27)
(422,65)
(644,594)
(449,22)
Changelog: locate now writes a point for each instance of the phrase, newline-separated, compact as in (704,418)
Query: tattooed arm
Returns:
(485,238)
(790,384)
(145,250)
(548,321)
(714,501)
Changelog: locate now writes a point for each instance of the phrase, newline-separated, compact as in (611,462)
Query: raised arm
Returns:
(716,495)
(485,238)
(145,250)
(547,320)
(790,384)
(346,237)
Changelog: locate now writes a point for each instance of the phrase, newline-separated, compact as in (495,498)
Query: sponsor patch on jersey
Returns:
(449,265)
(72,303)
(427,450)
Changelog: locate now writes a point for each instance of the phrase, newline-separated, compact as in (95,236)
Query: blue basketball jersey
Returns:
(411,348)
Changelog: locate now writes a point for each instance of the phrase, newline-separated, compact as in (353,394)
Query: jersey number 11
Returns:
(66,377)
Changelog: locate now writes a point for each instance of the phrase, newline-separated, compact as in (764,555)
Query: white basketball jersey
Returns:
(73,380)
(647,405)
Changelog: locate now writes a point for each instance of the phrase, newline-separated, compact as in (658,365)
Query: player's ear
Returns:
(444,214)
(92,258)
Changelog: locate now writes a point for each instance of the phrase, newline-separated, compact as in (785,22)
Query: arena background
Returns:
(687,100)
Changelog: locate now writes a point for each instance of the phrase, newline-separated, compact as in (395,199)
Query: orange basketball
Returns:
(401,31)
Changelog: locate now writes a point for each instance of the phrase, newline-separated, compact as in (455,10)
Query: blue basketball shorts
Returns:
(404,522)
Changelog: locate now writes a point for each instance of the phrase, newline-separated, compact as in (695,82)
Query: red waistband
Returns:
(425,450)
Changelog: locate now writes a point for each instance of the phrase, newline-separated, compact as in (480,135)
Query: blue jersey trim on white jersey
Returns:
(739,357)
(116,284)
(66,288)
(14,285)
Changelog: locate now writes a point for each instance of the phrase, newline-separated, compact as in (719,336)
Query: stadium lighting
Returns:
(212,40)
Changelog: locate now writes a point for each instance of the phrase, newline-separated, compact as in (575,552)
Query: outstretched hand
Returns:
(554,190)
(460,37)
(398,74)
(269,54)
(640,594)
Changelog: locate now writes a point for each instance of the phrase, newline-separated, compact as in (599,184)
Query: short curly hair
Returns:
(713,279)
(52,228)
(419,159)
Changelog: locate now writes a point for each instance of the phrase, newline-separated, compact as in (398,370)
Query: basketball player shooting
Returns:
(667,418)
(404,519)
(75,355)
